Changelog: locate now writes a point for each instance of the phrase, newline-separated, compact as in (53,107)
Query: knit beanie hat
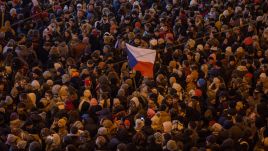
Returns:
(201,82)
(172,145)
(197,92)
(127,123)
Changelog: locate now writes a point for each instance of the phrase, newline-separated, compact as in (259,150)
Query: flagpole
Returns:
(134,81)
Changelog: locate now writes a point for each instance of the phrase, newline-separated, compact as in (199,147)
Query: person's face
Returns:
(66,34)
(188,79)
(105,50)
(250,28)
(156,33)
(189,57)
(35,76)
(48,96)
(259,53)
(7,24)
(146,28)
(169,101)
(232,63)
(71,9)
(22,83)
(210,61)
(80,14)
(204,68)
(206,47)
(127,21)
(197,57)
(134,15)
(116,104)
(237,31)
(66,15)
(105,20)
(90,8)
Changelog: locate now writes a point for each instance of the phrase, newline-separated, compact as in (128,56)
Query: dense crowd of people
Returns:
(65,83)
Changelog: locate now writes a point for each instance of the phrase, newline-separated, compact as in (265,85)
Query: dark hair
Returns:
(74,130)
(71,147)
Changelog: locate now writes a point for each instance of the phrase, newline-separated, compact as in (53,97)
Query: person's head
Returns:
(105,19)
(35,146)
(90,7)
(71,147)
(74,130)
(121,147)
(80,13)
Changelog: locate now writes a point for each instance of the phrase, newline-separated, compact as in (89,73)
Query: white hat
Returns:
(12,10)
(79,5)
(214,48)
(136,101)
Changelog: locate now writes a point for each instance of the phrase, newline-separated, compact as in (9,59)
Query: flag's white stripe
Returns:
(141,54)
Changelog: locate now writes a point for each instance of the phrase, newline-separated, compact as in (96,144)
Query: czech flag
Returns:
(141,59)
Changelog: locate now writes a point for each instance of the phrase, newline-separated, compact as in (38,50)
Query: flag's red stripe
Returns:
(146,68)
